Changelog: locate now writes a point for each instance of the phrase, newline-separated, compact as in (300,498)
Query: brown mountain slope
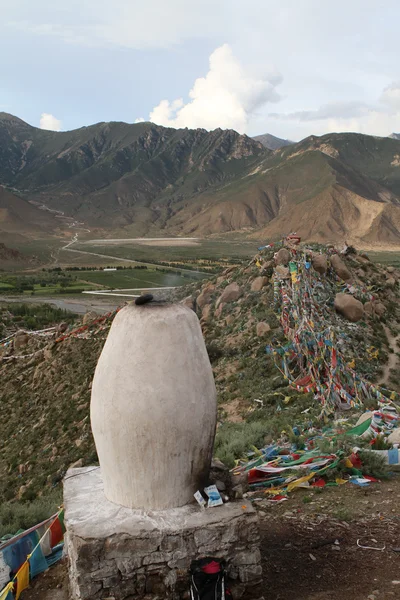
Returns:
(312,192)
(19,217)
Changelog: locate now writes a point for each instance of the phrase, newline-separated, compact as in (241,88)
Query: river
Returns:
(79,306)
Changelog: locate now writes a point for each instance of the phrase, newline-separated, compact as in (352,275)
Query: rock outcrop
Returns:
(231,293)
(282,257)
(340,268)
(258,284)
(350,308)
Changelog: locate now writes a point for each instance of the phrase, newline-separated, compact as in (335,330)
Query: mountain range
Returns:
(146,179)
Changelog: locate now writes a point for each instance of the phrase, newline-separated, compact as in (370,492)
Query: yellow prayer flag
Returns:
(4,593)
(348,463)
(258,264)
(299,481)
(340,481)
(22,579)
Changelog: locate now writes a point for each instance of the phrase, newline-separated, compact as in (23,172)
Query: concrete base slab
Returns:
(126,554)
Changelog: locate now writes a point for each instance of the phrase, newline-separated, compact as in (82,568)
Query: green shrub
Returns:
(22,515)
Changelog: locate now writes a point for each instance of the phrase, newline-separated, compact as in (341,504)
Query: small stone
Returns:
(237,491)
(221,487)
(77,465)
(262,329)
(218,465)
(380,309)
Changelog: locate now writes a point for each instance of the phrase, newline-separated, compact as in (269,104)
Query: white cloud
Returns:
(139,120)
(226,97)
(380,118)
(340,110)
(391,96)
(50,122)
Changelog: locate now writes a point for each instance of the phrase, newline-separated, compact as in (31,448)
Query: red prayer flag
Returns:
(56,532)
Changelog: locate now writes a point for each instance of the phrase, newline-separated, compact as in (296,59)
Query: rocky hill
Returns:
(395,136)
(46,377)
(271,141)
(144,179)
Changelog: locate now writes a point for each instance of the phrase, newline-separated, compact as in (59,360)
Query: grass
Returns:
(385,258)
(15,516)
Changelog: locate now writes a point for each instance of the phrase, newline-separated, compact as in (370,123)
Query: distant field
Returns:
(385,258)
(136,278)
(213,251)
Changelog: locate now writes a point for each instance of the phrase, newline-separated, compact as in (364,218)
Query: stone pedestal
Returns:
(126,554)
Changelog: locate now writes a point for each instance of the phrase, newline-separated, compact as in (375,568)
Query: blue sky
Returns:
(287,67)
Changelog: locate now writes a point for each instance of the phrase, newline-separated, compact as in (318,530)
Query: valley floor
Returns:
(309,547)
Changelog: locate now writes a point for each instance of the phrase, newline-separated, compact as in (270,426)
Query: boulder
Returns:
(350,308)
(268,264)
(218,311)
(61,328)
(21,339)
(320,263)
(189,302)
(205,296)
(258,284)
(89,317)
(262,328)
(231,293)
(340,268)
(380,309)
(369,308)
(282,257)
(282,272)
(391,281)
(206,312)
(390,269)
(394,437)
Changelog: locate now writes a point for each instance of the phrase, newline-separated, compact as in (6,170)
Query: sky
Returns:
(291,68)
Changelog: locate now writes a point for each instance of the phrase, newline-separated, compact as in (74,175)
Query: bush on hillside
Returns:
(23,515)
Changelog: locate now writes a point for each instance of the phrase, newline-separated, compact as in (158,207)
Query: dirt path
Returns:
(394,361)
